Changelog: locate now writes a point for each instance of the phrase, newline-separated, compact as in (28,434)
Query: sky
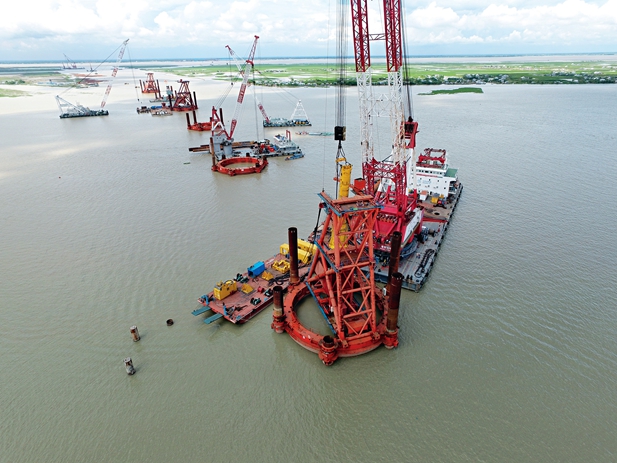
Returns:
(168,29)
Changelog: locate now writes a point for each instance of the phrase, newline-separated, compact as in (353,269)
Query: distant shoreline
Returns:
(413,58)
(318,72)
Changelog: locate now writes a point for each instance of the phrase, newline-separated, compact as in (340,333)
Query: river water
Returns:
(508,354)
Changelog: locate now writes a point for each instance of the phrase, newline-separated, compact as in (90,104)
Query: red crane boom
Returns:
(245,78)
(114,72)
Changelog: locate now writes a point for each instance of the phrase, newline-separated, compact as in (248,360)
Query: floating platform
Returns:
(239,299)
(87,113)
(417,264)
(240,165)
(160,112)
(281,145)
(282,122)
(318,134)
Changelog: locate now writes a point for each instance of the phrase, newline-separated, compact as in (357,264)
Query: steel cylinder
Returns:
(328,350)
(294,277)
(278,301)
(188,121)
(345,181)
(128,364)
(135,334)
(395,256)
(394,299)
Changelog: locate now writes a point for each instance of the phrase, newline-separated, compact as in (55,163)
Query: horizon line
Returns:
(466,55)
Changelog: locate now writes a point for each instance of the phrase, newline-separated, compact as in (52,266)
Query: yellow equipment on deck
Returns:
(247,289)
(306,251)
(222,290)
(281,265)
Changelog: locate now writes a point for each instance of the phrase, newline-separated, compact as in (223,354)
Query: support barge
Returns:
(239,299)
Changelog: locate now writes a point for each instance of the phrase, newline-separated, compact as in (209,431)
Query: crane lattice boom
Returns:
(114,72)
(245,78)
(391,175)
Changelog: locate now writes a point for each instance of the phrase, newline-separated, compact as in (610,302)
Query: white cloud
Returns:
(44,29)
(570,21)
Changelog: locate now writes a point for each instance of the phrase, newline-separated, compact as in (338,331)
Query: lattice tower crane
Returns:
(238,64)
(386,179)
(216,119)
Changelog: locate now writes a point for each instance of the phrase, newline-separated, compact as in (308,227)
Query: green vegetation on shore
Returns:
(9,93)
(323,75)
(454,90)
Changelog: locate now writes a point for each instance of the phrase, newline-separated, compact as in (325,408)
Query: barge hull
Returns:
(416,267)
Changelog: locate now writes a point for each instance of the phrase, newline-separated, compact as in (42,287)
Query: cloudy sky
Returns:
(92,29)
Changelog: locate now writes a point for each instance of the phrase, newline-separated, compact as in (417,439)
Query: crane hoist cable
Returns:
(407,82)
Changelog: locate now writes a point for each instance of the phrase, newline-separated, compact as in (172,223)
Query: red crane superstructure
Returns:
(386,180)
(241,71)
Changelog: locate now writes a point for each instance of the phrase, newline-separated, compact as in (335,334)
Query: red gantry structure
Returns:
(184,100)
(341,281)
(150,85)
(377,219)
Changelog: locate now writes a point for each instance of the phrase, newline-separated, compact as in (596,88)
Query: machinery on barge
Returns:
(239,299)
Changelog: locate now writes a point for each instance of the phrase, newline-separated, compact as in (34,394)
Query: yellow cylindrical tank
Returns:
(343,189)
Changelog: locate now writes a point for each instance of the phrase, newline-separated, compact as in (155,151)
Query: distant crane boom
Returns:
(245,78)
(263,112)
(238,64)
(114,72)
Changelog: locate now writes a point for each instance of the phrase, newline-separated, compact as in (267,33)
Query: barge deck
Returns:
(239,299)
(416,267)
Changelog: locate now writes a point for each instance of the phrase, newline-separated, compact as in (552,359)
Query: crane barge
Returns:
(374,234)
(69,110)
(408,188)
(242,157)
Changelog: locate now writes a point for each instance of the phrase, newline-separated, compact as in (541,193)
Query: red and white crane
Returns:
(69,110)
(386,179)
(217,123)
(238,64)
(114,72)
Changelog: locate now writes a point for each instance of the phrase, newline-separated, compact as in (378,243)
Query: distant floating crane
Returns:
(70,64)
(68,110)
